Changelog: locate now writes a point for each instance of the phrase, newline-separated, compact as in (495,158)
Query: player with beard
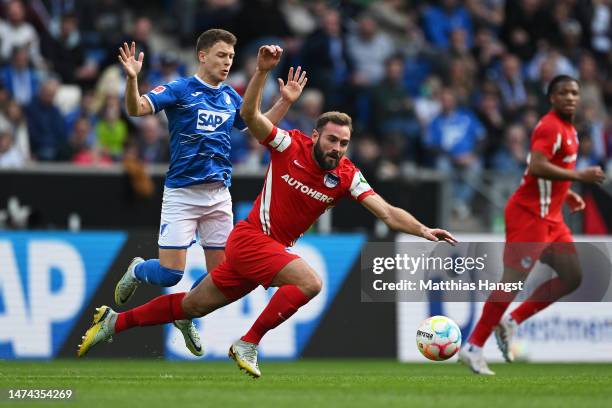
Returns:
(533,216)
(306,176)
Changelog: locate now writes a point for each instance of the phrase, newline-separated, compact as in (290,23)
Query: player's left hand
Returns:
(436,234)
(268,57)
(574,202)
(296,81)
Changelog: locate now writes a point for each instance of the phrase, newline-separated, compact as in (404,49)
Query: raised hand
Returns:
(296,81)
(131,65)
(436,234)
(268,57)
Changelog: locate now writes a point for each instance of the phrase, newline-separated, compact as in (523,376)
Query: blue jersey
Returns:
(200,120)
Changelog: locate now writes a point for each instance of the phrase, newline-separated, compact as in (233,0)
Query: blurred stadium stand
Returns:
(443,90)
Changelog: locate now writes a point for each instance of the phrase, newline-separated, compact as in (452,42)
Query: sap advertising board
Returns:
(48,278)
(563,332)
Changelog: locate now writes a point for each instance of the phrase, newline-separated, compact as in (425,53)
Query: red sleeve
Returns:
(271,136)
(546,138)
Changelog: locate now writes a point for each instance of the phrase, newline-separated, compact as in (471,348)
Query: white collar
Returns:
(206,84)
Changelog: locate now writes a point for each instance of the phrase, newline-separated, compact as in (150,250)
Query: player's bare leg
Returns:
(298,283)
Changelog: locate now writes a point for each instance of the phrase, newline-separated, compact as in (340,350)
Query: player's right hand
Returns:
(592,174)
(127,58)
(268,57)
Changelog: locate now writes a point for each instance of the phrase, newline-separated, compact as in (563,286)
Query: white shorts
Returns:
(205,208)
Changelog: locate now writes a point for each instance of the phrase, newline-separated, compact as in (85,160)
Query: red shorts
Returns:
(529,236)
(252,259)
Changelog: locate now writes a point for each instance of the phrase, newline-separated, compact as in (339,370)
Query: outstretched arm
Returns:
(400,220)
(135,104)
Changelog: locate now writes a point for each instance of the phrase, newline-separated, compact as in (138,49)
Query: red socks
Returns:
(546,294)
(492,312)
(285,302)
(162,309)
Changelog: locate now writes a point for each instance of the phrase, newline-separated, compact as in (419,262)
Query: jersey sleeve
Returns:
(546,139)
(163,96)
(278,141)
(359,188)
(238,121)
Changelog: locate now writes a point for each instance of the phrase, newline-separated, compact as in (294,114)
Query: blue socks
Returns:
(152,272)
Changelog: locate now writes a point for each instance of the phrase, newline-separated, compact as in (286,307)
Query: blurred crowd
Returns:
(447,84)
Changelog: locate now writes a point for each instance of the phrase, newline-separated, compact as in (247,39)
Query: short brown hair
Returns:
(210,37)
(339,118)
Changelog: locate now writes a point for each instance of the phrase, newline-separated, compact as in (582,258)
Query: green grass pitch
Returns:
(309,383)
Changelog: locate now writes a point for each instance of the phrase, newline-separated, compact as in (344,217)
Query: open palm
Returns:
(131,65)
(296,81)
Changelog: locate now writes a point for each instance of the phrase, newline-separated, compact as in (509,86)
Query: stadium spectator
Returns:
(512,85)
(526,22)
(453,138)
(21,80)
(78,149)
(10,156)
(111,129)
(13,119)
(394,109)
(310,108)
(487,13)
(369,47)
(537,88)
(492,118)
(439,21)
(45,123)
(17,32)
(325,57)
(86,108)
(511,158)
(67,55)
(152,143)
(590,85)
(167,71)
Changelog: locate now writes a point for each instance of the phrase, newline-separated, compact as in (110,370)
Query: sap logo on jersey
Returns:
(332,256)
(210,120)
(46,279)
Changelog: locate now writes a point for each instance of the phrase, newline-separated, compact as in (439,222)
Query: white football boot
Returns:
(474,360)
(102,329)
(191,336)
(504,333)
(245,355)
(128,283)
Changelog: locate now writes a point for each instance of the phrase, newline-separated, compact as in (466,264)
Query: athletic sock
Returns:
(152,272)
(492,312)
(197,282)
(162,309)
(551,290)
(285,302)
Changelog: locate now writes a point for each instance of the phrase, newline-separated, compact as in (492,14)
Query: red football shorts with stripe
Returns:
(528,237)
(252,259)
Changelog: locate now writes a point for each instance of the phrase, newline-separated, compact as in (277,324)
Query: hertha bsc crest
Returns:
(330,180)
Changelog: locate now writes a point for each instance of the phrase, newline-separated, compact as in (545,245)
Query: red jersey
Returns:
(558,141)
(297,191)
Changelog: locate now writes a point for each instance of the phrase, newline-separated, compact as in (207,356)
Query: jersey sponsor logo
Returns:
(158,89)
(297,163)
(196,93)
(210,120)
(330,180)
(227,98)
(309,191)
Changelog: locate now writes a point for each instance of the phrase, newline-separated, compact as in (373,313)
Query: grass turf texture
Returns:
(309,383)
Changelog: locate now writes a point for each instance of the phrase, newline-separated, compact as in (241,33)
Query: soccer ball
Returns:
(438,338)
